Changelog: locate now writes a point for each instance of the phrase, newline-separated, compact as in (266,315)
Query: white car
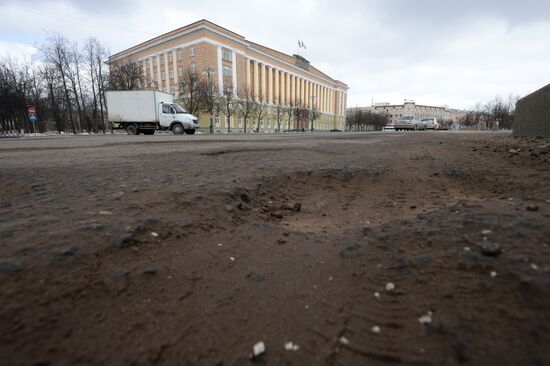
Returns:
(431,123)
(409,123)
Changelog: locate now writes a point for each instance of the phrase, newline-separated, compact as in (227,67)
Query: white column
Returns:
(247,70)
(293,89)
(263,89)
(288,94)
(234,73)
(144,86)
(277,85)
(256,77)
(175,71)
(270,85)
(220,70)
(159,75)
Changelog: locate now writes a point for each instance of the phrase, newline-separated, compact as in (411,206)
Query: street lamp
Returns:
(209,72)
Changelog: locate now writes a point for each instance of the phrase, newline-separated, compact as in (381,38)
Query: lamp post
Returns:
(209,73)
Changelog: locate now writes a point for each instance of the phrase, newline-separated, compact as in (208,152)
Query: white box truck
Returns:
(145,111)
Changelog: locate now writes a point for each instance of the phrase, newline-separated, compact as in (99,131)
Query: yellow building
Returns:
(240,65)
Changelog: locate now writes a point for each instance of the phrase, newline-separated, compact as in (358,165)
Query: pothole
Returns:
(325,201)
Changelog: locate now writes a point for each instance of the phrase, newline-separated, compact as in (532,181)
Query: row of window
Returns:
(171,73)
(179,57)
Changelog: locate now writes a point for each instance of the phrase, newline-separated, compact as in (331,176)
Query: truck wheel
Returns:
(190,131)
(177,129)
(132,129)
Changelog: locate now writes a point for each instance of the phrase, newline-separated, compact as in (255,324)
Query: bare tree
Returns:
(189,87)
(290,110)
(56,53)
(246,105)
(260,110)
(228,103)
(279,111)
(126,76)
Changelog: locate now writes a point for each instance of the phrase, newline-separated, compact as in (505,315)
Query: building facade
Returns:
(408,108)
(232,62)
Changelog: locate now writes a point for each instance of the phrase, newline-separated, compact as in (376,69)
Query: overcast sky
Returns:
(454,53)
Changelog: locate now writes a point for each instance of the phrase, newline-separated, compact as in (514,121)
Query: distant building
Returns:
(408,108)
(235,63)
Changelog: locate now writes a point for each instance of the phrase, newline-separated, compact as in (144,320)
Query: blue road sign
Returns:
(33,117)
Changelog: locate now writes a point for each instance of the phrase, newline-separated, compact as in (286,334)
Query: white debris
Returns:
(390,286)
(375,329)
(289,346)
(220,244)
(330,278)
(153,234)
(258,349)
(343,340)
(493,274)
(534,266)
(232,259)
(426,319)
(467,249)
(105,213)
(377,295)
(486,232)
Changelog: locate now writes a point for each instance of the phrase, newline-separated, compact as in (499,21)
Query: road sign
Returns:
(33,117)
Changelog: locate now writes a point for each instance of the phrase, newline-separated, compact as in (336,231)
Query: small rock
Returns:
(67,251)
(277,214)
(491,249)
(119,273)
(258,349)
(289,346)
(343,340)
(390,286)
(413,207)
(154,235)
(375,329)
(281,241)
(534,266)
(532,208)
(105,213)
(241,206)
(467,249)
(486,232)
(232,259)
(426,319)
(493,274)
(150,271)
(377,295)
(258,276)
(10,265)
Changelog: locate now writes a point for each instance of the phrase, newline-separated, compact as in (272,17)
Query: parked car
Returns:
(445,126)
(431,123)
(410,123)
(389,128)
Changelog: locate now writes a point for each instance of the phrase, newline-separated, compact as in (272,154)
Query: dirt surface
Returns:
(361,249)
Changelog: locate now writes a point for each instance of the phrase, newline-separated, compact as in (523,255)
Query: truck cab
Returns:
(174,117)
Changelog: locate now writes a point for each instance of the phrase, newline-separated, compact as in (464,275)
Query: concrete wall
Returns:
(533,114)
